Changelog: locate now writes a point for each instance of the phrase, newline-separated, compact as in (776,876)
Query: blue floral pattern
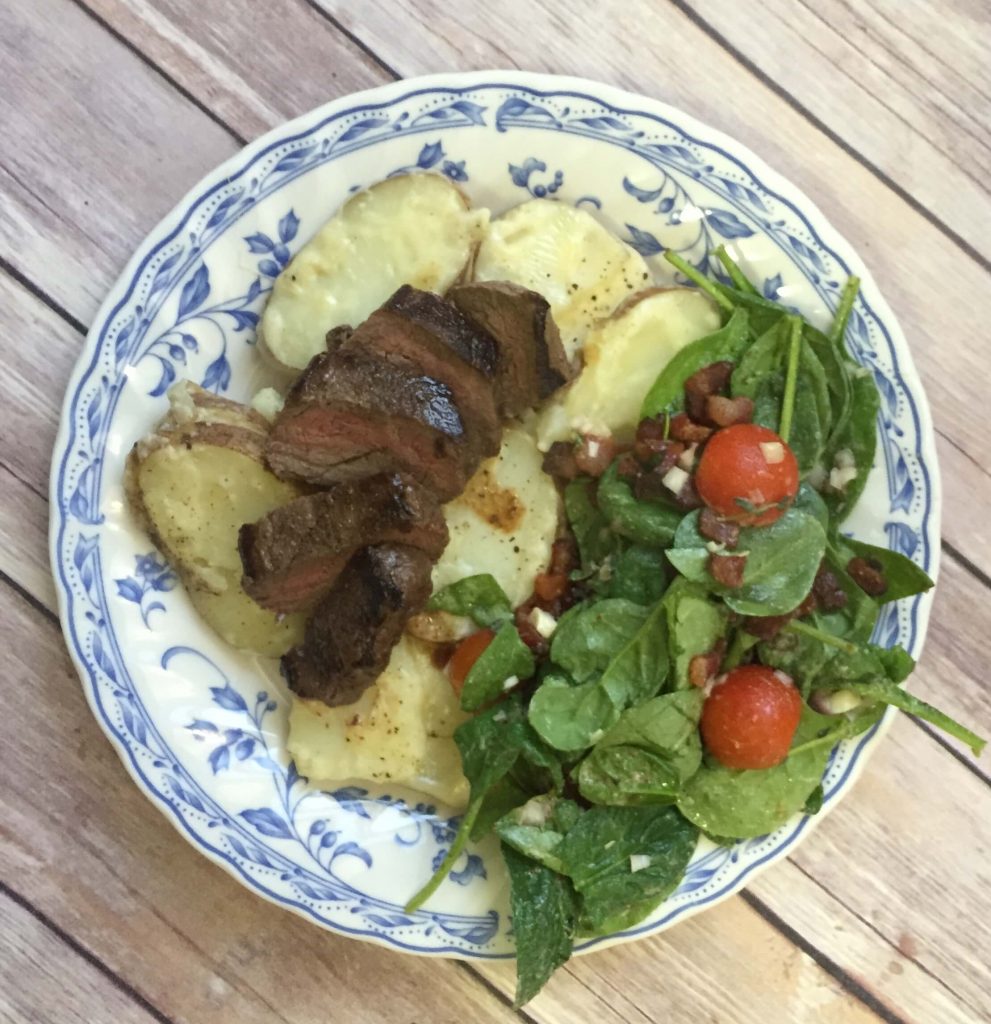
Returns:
(181,311)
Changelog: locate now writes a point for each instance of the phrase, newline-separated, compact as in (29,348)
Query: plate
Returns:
(201,728)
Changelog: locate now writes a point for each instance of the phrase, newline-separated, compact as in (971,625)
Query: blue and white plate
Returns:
(202,728)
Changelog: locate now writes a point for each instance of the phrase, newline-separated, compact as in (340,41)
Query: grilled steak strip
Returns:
(292,556)
(352,631)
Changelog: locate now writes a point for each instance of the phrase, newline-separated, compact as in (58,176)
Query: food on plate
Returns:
(293,555)
(622,357)
(558,547)
(413,229)
(397,733)
(564,254)
(191,484)
(700,640)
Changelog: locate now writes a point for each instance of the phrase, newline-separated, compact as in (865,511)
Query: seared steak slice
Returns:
(353,414)
(352,632)
(293,555)
(337,336)
(532,361)
(421,328)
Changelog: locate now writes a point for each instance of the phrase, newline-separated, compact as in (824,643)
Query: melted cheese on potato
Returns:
(505,521)
(399,732)
(565,254)
(623,356)
(412,229)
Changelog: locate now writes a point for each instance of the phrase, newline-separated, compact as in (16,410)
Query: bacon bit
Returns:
(722,532)
(441,654)
(660,454)
(683,429)
(594,454)
(724,412)
(828,590)
(628,468)
(550,586)
(560,462)
(703,667)
(727,569)
(868,574)
(702,384)
(564,555)
(528,631)
(766,627)
(688,498)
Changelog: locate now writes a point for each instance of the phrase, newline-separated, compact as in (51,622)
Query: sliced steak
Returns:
(337,336)
(532,362)
(353,414)
(419,327)
(351,633)
(292,556)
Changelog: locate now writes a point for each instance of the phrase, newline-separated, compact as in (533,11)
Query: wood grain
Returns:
(42,982)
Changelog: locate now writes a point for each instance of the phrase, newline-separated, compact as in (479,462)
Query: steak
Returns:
(352,414)
(421,328)
(352,631)
(532,363)
(293,555)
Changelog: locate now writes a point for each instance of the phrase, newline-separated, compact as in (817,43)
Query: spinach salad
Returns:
(701,640)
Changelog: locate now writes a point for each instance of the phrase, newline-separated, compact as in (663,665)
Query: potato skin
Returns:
(191,484)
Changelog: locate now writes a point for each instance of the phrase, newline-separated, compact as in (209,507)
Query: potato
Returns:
(192,484)
(623,356)
(413,229)
(565,254)
(398,733)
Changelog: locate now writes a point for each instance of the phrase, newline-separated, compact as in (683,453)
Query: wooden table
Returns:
(110,111)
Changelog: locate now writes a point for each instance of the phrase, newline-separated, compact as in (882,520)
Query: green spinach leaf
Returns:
(478,597)
(571,718)
(596,854)
(782,562)
(505,657)
(590,635)
(596,542)
(637,574)
(695,626)
(544,909)
(859,437)
(537,828)
(667,393)
(904,577)
(646,522)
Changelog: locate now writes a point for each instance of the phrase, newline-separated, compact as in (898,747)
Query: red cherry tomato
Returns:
(744,463)
(464,657)
(750,718)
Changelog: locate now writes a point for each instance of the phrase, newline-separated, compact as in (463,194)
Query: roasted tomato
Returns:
(747,474)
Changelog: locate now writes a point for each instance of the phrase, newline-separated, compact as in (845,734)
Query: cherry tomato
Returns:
(750,718)
(465,655)
(744,463)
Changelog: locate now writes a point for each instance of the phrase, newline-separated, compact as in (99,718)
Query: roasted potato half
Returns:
(192,484)
(413,229)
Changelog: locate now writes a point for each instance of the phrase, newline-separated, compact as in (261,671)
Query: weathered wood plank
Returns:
(43,982)
(893,87)
(254,65)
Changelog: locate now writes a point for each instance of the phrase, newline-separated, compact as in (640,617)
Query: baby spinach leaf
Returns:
(647,754)
(887,691)
(505,657)
(859,437)
(596,854)
(544,910)
(639,669)
(502,797)
(762,314)
(813,805)
(782,562)
(667,393)
(478,597)
(646,522)
(571,718)
(537,828)
(590,635)
(904,577)
(809,500)
(637,574)
(695,625)
(589,524)
(836,367)
(745,804)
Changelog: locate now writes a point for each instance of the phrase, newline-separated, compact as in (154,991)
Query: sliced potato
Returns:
(623,356)
(192,484)
(399,732)
(565,254)
(413,229)
(505,521)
